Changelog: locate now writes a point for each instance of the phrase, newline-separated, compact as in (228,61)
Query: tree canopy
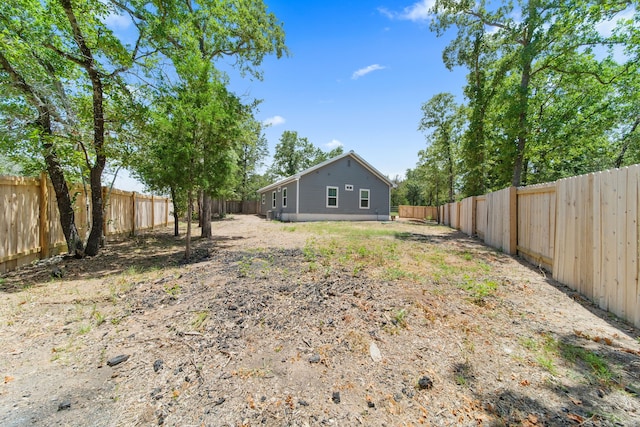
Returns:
(78,97)
(294,154)
(549,93)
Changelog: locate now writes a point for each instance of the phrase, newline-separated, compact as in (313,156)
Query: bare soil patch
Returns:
(377,324)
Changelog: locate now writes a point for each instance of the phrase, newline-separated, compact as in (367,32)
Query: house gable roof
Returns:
(351,154)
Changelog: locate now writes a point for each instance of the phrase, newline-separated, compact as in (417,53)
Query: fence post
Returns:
(473,215)
(44,216)
(513,221)
(133,213)
(153,216)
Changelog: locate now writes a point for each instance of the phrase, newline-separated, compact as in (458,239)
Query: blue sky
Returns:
(357,75)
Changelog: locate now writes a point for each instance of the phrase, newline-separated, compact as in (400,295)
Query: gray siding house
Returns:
(344,188)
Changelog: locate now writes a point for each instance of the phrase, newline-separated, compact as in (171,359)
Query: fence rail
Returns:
(584,229)
(30,224)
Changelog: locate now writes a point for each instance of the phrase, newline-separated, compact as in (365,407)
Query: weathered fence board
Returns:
(220,206)
(468,215)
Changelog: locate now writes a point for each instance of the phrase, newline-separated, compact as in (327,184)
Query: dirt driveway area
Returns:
(344,324)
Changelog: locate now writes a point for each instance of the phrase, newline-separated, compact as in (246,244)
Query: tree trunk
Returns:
(450,179)
(97,212)
(523,107)
(626,139)
(206,215)
(200,209)
(176,217)
(87,62)
(187,250)
(65,206)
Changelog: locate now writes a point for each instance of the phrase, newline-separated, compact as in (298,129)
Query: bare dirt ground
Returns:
(293,325)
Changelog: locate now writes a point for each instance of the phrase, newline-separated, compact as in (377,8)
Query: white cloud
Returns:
(366,70)
(334,143)
(386,12)
(606,27)
(117,22)
(274,121)
(417,12)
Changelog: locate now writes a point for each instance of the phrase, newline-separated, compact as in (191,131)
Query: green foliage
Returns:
(67,107)
(548,94)
(294,154)
(442,119)
(173,290)
(252,149)
(598,365)
(198,320)
(480,290)
(400,318)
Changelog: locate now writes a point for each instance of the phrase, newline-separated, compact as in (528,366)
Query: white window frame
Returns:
(273,200)
(264,198)
(368,198)
(329,187)
(348,187)
(284,197)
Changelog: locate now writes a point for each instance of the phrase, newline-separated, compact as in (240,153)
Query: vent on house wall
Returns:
(348,187)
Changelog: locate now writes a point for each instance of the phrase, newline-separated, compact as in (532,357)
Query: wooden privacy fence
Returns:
(418,212)
(30,224)
(584,229)
(220,206)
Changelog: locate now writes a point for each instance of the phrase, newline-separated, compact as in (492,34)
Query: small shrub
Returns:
(400,318)
(84,329)
(481,290)
(199,319)
(174,290)
(599,366)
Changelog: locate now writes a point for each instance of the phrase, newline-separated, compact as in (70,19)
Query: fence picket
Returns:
(26,203)
(621,237)
(609,219)
(585,229)
(597,246)
(631,243)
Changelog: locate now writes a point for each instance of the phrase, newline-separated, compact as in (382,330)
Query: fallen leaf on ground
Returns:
(575,417)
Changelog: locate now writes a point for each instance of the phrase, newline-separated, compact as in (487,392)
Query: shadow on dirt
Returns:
(150,250)
(605,379)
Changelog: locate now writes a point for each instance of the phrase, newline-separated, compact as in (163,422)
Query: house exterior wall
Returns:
(307,193)
(343,172)
(279,209)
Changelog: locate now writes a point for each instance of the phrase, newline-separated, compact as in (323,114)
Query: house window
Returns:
(364,198)
(264,198)
(284,197)
(332,197)
(348,187)
(273,200)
